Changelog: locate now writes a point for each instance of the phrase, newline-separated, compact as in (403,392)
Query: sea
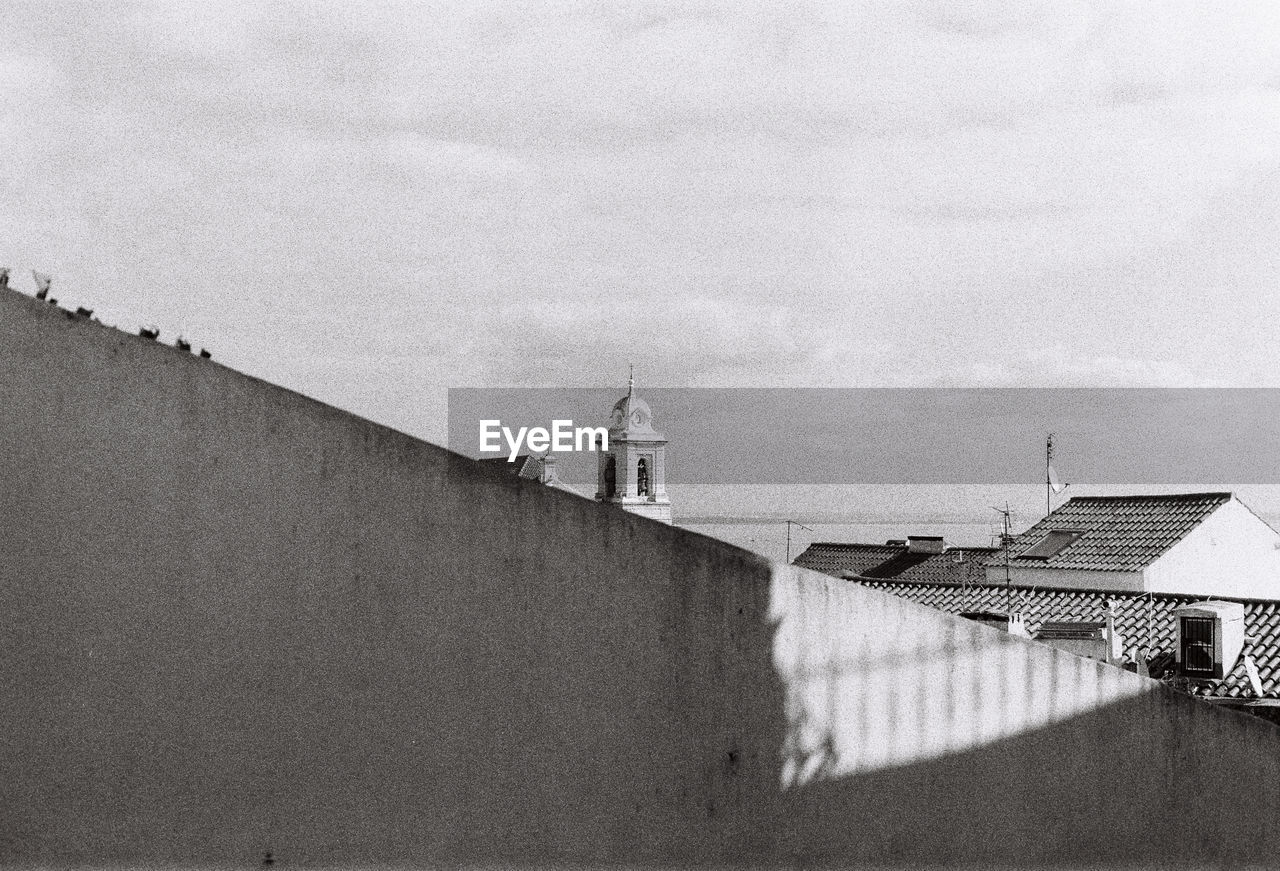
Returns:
(755,517)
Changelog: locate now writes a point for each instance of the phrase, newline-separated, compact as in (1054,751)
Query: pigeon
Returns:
(146,333)
(182,344)
(205,354)
(42,284)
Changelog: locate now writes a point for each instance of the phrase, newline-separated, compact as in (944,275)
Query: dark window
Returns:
(610,476)
(1053,542)
(642,477)
(1197,645)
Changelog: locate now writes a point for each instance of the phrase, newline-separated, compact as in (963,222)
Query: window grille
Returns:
(1197,645)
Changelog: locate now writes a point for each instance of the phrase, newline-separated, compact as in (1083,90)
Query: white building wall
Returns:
(1232,553)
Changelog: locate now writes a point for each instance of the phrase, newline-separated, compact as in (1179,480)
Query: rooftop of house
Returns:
(531,468)
(954,565)
(524,466)
(1146,622)
(1112,533)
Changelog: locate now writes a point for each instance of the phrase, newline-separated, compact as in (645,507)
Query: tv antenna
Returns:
(791,523)
(1006,539)
(1052,485)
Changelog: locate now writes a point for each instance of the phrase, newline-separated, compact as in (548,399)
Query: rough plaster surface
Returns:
(235,620)
(937,740)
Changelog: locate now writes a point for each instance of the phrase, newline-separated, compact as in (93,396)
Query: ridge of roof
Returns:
(857,560)
(1068,592)
(862,545)
(1217,494)
(857,545)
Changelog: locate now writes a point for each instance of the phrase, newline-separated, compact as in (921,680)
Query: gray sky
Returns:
(373,202)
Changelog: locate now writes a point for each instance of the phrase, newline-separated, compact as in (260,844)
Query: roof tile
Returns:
(955,565)
(1142,619)
(1121,533)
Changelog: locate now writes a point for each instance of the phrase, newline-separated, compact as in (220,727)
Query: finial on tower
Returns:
(631,381)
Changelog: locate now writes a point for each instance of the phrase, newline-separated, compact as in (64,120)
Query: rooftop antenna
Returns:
(964,581)
(791,523)
(1006,539)
(1052,485)
(1151,626)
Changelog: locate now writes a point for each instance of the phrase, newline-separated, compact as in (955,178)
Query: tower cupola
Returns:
(632,472)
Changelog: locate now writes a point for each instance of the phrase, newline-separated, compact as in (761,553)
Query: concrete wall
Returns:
(234,620)
(920,738)
(1232,553)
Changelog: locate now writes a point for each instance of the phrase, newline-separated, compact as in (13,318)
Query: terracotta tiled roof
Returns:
(1141,619)
(955,565)
(1118,533)
(833,559)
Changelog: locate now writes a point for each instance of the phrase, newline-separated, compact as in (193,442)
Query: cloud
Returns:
(369,199)
(1056,366)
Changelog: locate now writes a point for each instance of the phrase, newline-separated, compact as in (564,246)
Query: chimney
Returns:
(925,544)
(1210,639)
(994,619)
(1018,625)
(1092,639)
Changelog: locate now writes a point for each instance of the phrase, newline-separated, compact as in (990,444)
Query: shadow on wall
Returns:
(235,621)
(916,738)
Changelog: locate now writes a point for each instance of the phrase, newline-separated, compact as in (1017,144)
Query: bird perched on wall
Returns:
(182,344)
(205,354)
(148,332)
(84,312)
(42,284)
(4,276)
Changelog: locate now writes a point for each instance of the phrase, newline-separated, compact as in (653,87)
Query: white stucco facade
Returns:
(1232,553)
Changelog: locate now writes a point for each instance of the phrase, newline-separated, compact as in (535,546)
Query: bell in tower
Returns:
(632,471)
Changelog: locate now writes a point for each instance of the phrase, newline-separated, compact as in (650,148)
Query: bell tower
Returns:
(632,472)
